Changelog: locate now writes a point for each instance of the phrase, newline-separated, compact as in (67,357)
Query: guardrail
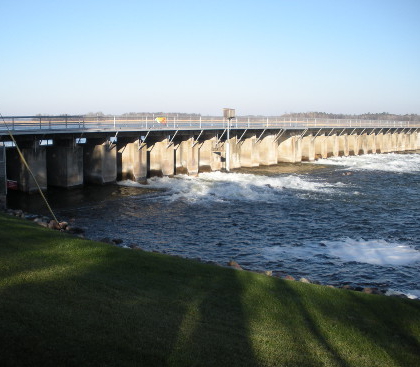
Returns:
(30,124)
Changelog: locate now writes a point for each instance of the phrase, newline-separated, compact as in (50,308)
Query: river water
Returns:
(349,220)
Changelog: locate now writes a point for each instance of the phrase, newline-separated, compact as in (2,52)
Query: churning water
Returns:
(338,221)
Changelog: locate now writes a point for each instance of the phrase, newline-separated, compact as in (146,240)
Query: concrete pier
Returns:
(250,152)
(36,157)
(308,148)
(343,145)
(289,149)
(209,158)
(186,157)
(161,158)
(132,160)
(100,161)
(65,163)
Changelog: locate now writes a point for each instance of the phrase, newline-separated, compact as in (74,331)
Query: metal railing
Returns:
(31,124)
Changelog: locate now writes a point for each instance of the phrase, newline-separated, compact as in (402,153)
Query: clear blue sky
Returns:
(260,57)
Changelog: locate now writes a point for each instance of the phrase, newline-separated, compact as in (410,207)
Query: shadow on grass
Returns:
(93,304)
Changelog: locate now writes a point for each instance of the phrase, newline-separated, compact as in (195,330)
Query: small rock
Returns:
(234,265)
(289,277)
(304,280)
(348,287)
(63,225)
(369,290)
(269,273)
(330,286)
(42,224)
(117,241)
(54,225)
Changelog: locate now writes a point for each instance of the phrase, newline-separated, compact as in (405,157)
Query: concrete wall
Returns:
(161,159)
(186,157)
(99,162)
(267,147)
(250,152)
(208,158)
(35,156)
(132,161)
(65,164)
(289,149)
(308,148)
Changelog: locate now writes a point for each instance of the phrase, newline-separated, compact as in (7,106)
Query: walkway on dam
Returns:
(55,124)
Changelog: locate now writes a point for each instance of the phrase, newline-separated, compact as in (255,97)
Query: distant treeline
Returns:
(364,116)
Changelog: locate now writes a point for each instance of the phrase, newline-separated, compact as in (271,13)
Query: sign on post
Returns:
(228,113)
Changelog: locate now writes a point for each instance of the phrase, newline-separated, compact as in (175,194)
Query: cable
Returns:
(29,169)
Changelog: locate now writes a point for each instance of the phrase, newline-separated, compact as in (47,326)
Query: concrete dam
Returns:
(68,151)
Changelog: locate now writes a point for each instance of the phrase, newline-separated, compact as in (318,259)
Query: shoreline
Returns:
(64,226)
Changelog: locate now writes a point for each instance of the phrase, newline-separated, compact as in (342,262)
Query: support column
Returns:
(371,143)
(289,149)
(332,146)
(353,141)
(99,162)
(320,146)
(394,142)
(132,161)
(380,143)
(250,152)
(187,158)
(400,142)
(308,148)
(268,150)
(413,141)
(363,146)
(209,159)
(36,157)
(343,145)
(407,145)
(162,159)
(65,163)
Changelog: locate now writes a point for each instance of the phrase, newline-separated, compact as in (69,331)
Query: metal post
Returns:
(114,122)
(227,150)
(200,122)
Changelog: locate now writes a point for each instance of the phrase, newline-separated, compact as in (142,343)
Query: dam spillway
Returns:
(68,151)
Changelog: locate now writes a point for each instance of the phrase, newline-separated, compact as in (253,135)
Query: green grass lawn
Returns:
(65,301)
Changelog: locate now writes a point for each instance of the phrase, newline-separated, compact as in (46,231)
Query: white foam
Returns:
(402,163)
(221,186)
(376,252)
(412,294)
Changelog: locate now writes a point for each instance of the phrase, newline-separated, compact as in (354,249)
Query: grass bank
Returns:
(72,302)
